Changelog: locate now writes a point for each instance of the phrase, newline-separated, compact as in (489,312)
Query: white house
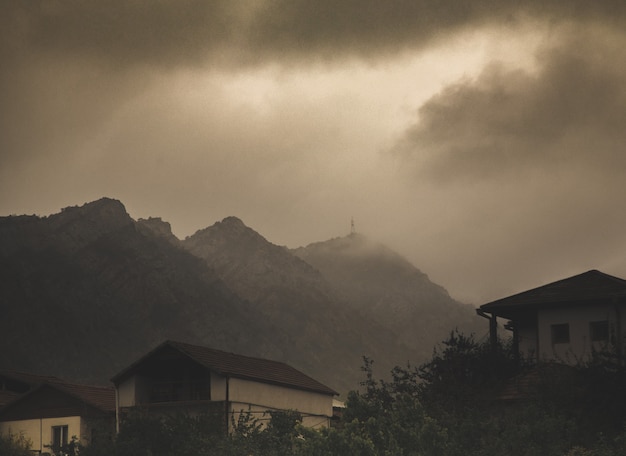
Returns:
(53,412)
(564,321)
(193,379)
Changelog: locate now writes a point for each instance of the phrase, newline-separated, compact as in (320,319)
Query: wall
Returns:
(316,408)
(527,339)
(218,387)
(580,347)
(133,391)
(39,431)
(126,392)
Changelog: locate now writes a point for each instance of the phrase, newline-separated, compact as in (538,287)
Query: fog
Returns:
(484,142)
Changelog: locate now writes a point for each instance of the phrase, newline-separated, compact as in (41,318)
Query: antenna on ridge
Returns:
(352,229)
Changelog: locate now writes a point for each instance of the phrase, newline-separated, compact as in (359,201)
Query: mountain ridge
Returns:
(98,289)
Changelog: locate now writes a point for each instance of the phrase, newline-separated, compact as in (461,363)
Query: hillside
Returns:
(322,329)
(85,292)
(383,286)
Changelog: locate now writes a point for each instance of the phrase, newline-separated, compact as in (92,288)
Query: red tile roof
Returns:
(27,378)
(239,366)
(590,286)
(100,397)
(7,396)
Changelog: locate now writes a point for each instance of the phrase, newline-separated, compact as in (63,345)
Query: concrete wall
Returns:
(316,408)
(218,387)
(39,431)
(578,318)
(527,339)
(133,391)
(126,392)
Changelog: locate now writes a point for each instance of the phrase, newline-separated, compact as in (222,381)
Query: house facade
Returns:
(564,321)
(178,377)
(55,412)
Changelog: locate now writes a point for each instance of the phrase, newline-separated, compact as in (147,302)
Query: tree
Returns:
(462,372)
(15,445)
(387,419)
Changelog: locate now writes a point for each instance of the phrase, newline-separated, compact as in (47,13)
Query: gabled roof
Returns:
(591,286)
(99,398)
(7,396)
(239,366)
(25,378)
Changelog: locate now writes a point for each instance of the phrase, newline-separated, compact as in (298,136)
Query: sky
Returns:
(483,140)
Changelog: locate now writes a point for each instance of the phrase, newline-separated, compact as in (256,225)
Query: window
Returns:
(59,438)
(560,333)
(599,331)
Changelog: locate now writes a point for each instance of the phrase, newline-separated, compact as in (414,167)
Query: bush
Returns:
(15,445)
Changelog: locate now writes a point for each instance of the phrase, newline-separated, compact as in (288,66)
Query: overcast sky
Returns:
(485,141)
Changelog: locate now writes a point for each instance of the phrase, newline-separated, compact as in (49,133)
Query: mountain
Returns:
(85,292)
(323,330)
(383,286)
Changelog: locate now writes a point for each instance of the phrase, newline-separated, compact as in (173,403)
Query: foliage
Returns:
(386,419)
(462,372)
(15,445)
(180,435)
(446,407)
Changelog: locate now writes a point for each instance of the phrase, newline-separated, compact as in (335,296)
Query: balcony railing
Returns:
(176,391)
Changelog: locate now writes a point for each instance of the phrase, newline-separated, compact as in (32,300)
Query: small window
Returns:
(599,331)
(560,333)
(59,438)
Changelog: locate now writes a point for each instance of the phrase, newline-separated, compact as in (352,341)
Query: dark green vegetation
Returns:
(86,292)
(14,445)
(448,406)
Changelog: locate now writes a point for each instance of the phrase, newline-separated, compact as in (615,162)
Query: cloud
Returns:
(276,112)
(221,32)
(569,112)
(524,168)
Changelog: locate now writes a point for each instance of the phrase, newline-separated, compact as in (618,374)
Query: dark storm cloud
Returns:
(372,28)
(529,164)
(121,32)
(194,110)
(572,110)
(197,32)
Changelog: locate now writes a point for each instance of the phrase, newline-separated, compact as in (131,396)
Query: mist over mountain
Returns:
(85,292)
(324,332)
(381,285)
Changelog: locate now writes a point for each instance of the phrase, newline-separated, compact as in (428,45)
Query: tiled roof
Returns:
(239,366)
(7,396)
(590,286)
(100,397)
(29,379)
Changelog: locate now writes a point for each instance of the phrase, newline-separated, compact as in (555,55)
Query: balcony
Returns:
(179,391)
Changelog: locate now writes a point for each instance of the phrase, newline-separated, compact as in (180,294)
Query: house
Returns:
(178,377)
(52,412)
(564,321)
